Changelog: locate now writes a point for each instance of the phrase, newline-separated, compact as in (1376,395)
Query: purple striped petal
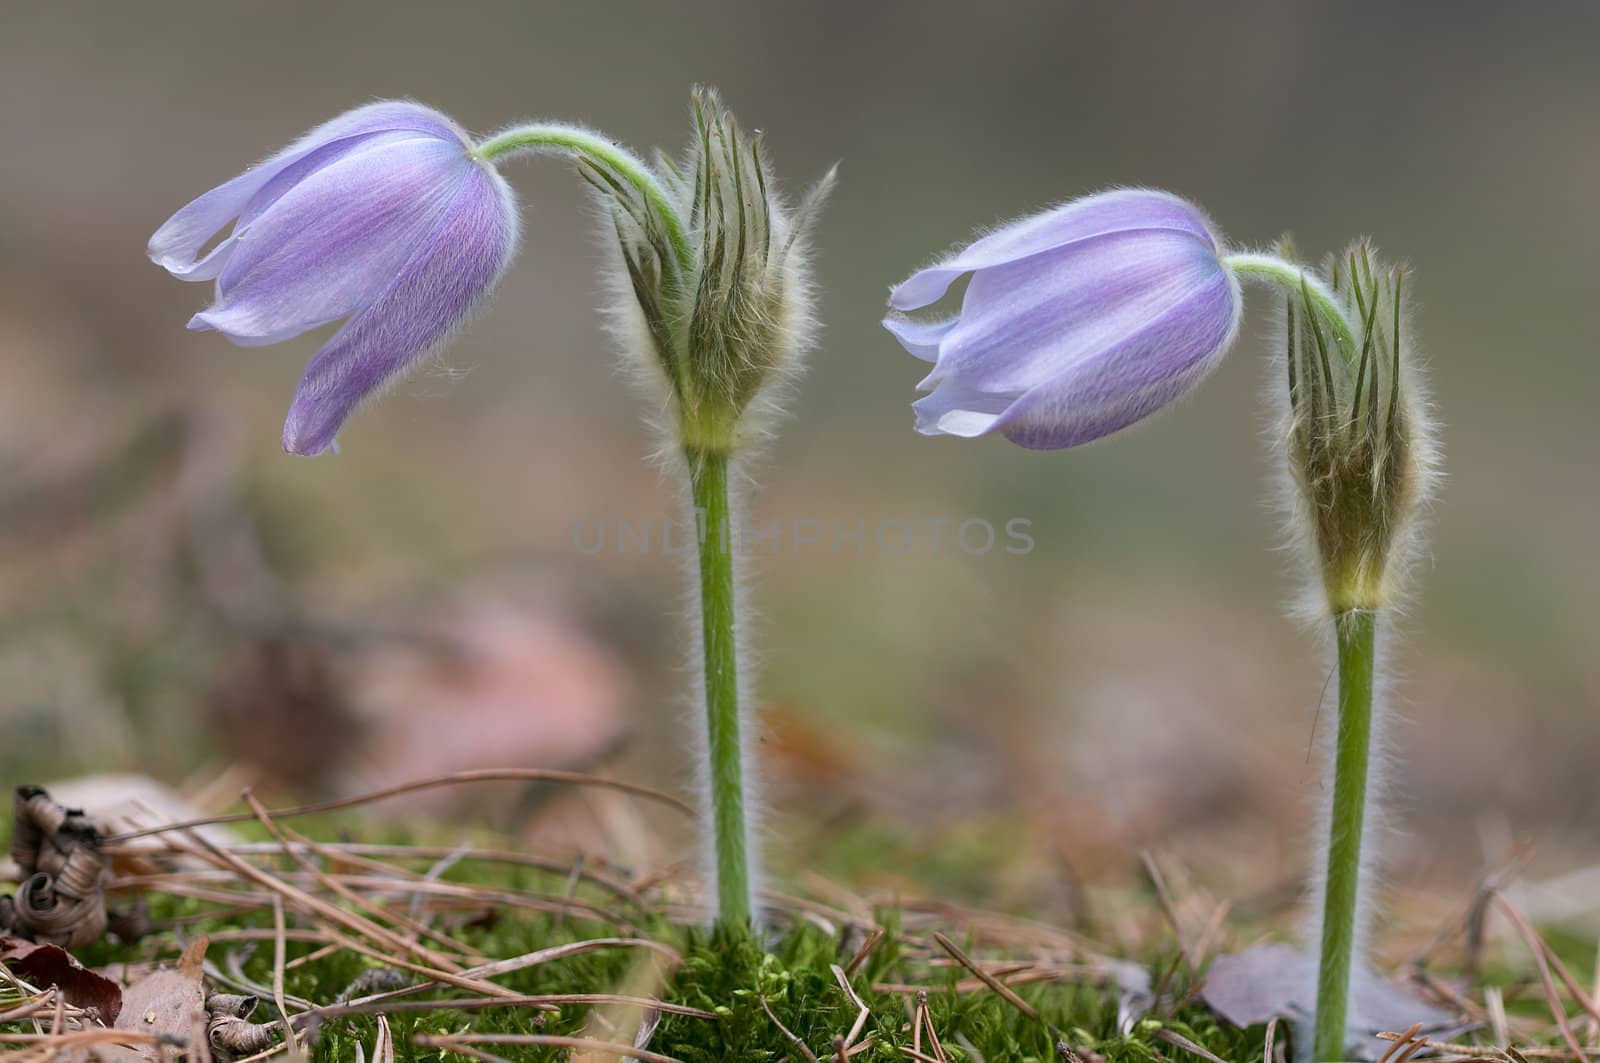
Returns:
(1024,322)
(1146,372)
(1096,215)
(335,240)
(920,338)
(1062,341)
(455,265)
(176,246)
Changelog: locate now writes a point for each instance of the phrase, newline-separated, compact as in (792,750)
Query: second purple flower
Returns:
(1077,322)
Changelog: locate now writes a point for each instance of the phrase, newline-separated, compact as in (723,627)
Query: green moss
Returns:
(728,973)
(737,976)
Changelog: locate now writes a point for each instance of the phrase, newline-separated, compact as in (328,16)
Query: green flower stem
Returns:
(585,143)
(708,475)
(1291,278)
(1355,630)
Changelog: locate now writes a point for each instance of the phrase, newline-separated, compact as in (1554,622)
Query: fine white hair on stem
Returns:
(693,702)
(1379,827)
(1408,545)
(625,322)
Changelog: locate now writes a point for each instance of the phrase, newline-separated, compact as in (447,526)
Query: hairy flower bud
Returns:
(726,313)
(1360,443)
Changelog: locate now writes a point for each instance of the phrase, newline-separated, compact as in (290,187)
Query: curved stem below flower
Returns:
(556,137)
(1290,277)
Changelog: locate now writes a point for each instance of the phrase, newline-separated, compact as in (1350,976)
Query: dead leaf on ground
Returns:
(169,1001)
(50,965)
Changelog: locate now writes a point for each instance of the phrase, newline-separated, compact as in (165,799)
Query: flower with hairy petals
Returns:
(1077,321)
(382,217)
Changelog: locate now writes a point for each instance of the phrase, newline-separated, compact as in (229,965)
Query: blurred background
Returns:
(178,598)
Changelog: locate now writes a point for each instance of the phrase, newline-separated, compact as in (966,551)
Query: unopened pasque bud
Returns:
(723,318)
(1359,440)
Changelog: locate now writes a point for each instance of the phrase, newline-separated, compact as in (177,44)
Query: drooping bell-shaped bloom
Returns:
(1077,321)
(382,217)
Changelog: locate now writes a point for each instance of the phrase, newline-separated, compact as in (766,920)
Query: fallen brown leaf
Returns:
(51,965)
(170,1000)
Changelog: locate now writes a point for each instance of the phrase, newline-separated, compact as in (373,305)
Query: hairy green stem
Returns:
(708,475)
(585,143)
(1356,632)
(1298,281)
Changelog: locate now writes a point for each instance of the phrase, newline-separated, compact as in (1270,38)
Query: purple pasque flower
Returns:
(1077,321)
(382,217)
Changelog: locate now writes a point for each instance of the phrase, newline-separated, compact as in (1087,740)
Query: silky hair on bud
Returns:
(712,335)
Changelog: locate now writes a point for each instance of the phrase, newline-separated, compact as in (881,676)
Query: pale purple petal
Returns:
(455,265)
(1107,212)
(176,246)
(1024,322)
(958,409)
(1150,369)
(920,338)
(303,167)
(334,241)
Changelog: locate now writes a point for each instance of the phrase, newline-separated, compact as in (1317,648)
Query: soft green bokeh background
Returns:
(1131,680)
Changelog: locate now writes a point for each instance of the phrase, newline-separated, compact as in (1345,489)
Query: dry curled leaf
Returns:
(62,898)
(229,1031)
(45,966)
